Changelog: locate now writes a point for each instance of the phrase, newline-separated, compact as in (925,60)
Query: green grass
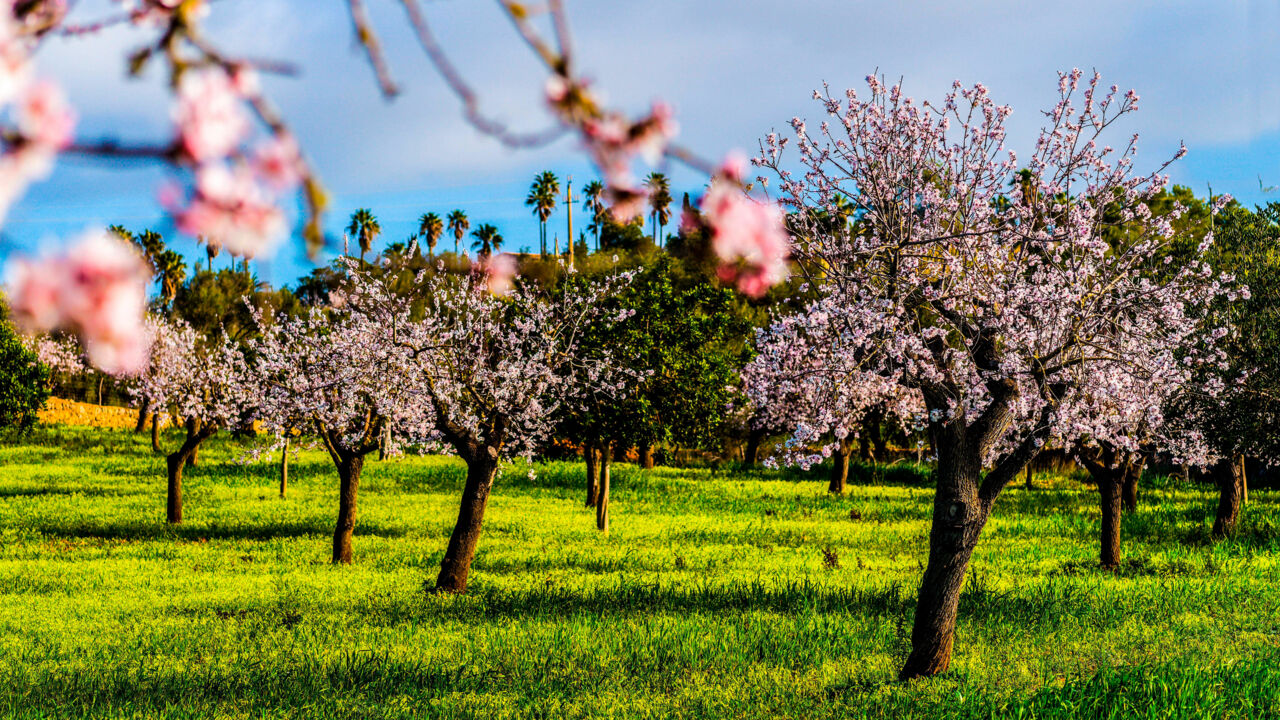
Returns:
(713,597)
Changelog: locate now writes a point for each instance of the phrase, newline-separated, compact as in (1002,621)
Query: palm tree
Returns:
(488,239)
(211,251)
(659,203)
(543,194)
(458,225)
(364,228)
(171,271)
(593,202)
(430,228)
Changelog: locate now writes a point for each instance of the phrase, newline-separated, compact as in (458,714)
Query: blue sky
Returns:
(1208,74)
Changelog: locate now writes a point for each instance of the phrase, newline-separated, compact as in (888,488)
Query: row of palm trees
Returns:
(544,195)
(365,228)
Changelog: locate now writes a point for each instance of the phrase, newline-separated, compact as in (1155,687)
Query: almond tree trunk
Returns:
(1244,482)
(1129,495)
(840,466)
(1111,483)
(175,462)
(155,433)
(646,456)
(349,469)
(482,466)
(592,455)
(959,514)
(142,416)
(602,496)
(284,466)
(193,429)
(1230,494)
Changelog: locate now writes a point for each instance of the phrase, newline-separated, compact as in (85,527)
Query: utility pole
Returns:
(568,189)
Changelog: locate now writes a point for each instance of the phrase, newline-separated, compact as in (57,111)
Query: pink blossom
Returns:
(500,272)
(748,236)
(97,289)
(557,89)
(44,116)
(277,161)
(15,59)
(734,166)
(209,114)
(231,210)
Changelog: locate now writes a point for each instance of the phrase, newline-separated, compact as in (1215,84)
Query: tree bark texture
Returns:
(1230,481)
(349,469)
(840,466)
(482,466)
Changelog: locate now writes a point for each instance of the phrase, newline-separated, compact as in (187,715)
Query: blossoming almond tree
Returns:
(205,381)
(486,374)
(335,371)
(1113,418)
(991,291)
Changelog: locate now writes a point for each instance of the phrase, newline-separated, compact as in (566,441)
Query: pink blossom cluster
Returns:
(472,369)
(97,289)
(45,121)
(1028,302)
(500,273)
(157,13)
(193,377)
(614,141)
(747,235)
(234,202)
(804,382)
(59,354)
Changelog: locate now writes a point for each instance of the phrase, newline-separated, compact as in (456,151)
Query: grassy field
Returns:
(716,596)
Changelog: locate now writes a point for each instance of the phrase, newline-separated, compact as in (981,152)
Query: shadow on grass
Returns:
(1044,605)
(64,491)
(198,532)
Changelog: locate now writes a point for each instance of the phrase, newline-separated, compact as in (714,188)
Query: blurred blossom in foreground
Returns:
(96,289)
(500,271)
(44,120)
(747,235)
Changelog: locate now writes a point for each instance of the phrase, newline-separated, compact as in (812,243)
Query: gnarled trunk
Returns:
(646,456)
(142,416)
(840,466)
(602,497)
(1111,483)
(482,465)
(175,462)
(592,455)
(958,518)
(193,429)
(1115,471)
(155,433)
(1227,473)
(349,469)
